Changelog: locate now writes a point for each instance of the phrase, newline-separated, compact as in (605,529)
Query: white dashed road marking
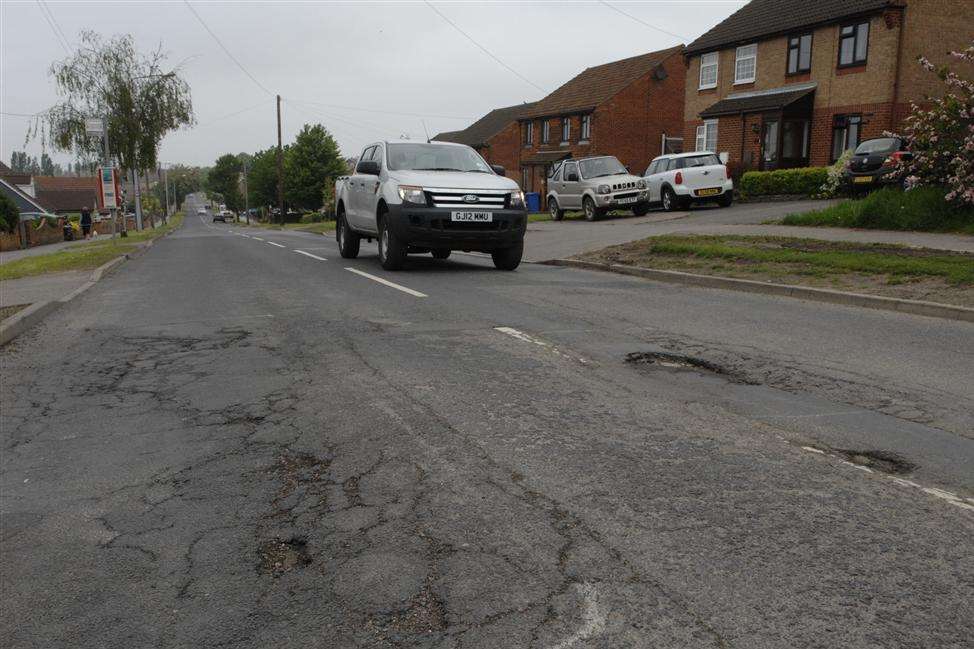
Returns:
(308,254)
(520,335)
(398,287)
(258,239)
(952,498)
(274,244)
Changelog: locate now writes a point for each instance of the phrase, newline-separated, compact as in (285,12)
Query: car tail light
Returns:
(895,158)
(726,173)
(679,178)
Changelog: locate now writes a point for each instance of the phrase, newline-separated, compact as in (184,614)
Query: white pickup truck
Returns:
(436,197)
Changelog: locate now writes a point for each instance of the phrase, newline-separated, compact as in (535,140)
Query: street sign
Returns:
(109,188)
(94,126)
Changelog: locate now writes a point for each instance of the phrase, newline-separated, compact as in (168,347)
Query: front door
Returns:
(769,144)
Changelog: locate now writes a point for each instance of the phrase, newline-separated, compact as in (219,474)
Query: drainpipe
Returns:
(899,58)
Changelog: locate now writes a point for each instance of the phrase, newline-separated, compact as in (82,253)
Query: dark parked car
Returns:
(875,163)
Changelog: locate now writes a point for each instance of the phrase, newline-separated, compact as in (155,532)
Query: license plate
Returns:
(713,191)
(624,201)
(476,217)
(862,179)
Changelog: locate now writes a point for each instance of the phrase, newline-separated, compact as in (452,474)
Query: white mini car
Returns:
(679,179)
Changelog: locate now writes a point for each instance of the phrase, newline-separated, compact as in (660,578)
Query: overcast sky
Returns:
(367,71)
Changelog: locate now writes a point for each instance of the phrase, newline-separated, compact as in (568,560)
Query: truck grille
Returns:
(627,185)
(487,199)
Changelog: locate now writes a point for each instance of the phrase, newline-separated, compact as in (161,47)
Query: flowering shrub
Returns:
(941,136)
(833,179)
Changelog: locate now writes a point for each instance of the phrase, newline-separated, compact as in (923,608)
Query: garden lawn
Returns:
(879,269)
(87,256)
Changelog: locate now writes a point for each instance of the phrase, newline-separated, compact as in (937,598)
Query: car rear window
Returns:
(701,160)
(879,145)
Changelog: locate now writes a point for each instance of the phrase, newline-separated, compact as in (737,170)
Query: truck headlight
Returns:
(412,194)
(517,200)
(603,189)
(641,184)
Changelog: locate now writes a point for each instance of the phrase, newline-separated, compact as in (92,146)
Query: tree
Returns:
(141,100)
(9,214)
(941,136)
(311,162)
(183,180)
(262,177)
(23,163)
(48,168)
(224,178)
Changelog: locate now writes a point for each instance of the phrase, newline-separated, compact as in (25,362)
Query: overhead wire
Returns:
(484,49)
(643,22)
(57,35)
(227,51)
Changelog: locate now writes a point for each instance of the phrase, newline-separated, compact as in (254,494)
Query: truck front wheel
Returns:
(348,241)
(508,258)
(392,254)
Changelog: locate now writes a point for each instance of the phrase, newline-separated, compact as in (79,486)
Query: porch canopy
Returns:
(760,101)
(545,157)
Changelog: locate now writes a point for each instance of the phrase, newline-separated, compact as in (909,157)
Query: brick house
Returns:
(623,108)
(791,83)
(496,136)
(68,193)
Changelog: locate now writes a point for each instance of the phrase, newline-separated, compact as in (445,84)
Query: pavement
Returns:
(247,441)
(41,288)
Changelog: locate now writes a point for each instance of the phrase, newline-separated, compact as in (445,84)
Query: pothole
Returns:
(425,614)
(678,361)
(280,556)
(884,461)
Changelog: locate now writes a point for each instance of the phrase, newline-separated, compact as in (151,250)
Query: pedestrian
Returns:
(86,222)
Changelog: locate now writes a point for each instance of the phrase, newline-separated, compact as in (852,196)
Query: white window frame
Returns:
(714,58)
(738,58)
(528,133)
(566,130)
(706,132)
(545,131)
(586,129)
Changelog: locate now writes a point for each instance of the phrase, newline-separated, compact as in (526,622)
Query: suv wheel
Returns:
(392,254)
(441,253)
(348,241)
(641,210)
(591,212)
(508,258)
(556,213)
(726,200)
(669,199)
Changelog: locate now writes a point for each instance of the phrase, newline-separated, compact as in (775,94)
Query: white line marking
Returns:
(952,498)
(274,244)
(520,335)
(398,287)
(308,254)
(258,238)
(245,235)
(593,618)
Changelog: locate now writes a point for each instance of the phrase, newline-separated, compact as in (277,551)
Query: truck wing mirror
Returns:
(368,168)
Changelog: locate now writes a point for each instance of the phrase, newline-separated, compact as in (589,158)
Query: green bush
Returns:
(9,214)
(806,181)
(922,208)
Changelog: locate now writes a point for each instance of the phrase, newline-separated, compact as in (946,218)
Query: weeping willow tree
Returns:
(138,95)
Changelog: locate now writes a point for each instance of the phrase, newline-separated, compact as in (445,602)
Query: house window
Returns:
(708,71)
(528,133)
(707,136)
(566,129)
(545,132)
(846,131)
(799,53)
(853,44)
(586,127)
(526,179)
(746,64)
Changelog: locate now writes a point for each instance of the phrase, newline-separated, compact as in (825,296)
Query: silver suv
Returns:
(595,185)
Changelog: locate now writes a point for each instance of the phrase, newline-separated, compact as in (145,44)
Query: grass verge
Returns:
(923,209)
(894,271)
(84,256)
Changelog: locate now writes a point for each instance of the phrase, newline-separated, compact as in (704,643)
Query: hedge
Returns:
(806,181)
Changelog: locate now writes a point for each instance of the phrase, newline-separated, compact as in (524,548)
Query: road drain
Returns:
(884,461)
(278,557)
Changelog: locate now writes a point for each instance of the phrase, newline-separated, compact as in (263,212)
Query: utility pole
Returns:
(165,184)
(246,197)
(280,164)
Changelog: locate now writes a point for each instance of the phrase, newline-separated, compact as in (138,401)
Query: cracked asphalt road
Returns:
(226,444)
